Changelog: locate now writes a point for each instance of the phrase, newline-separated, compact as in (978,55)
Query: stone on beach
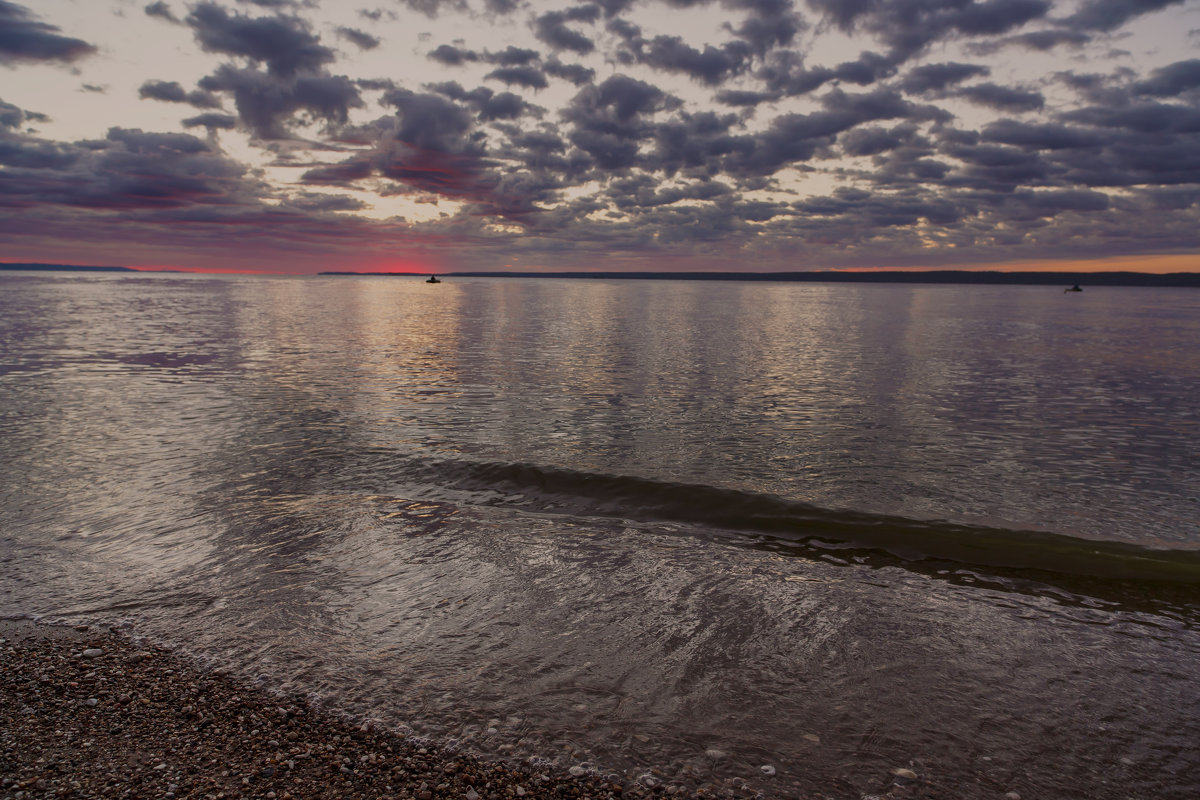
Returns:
(159,726)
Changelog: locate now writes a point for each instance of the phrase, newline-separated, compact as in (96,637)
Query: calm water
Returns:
(672,531)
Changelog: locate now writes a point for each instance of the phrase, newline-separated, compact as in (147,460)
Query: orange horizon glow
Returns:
(1150,265)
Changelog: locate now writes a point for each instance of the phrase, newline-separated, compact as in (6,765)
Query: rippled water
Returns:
(674,529)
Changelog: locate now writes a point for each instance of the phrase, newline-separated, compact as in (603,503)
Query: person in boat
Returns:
(1074,288)
(433,279)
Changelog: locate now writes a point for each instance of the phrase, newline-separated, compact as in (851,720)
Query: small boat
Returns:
(1074,288)
(433,279)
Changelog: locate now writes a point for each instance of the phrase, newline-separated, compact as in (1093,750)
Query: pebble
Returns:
(904,774)
(92,652)
(767,769)
(1012,796)
(715,754)
(577,771)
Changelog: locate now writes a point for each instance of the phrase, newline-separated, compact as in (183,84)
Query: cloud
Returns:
(552,29)
(1002,98)
(211,121)
(936,77)
(162,10)
(529,77)
(284,44)
(513,57)
(1171,80)
(488,105)
(365,41)
(1108,15)
(14,117)
(23,39)
(129,170)
(172,92)
(575,73)
(768,24)
(268,104)
(712,65)
(452,56)
(907,28)
(429,149)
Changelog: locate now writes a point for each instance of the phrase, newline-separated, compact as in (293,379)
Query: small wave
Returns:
(565,491)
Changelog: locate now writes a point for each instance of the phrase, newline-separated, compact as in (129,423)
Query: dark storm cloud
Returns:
(552,29)
(23,38)
(212,121)
(1002,98)
(452,56)
(364,40)
(1108,15)
(285,44)
(172,92)
(266,104)
(529,77)
(936,77)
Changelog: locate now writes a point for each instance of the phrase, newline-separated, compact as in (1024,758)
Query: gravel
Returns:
(90,713)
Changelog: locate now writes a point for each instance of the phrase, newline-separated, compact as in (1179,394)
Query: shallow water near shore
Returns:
(672,531)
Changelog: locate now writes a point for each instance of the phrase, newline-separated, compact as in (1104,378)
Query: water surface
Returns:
(673,531)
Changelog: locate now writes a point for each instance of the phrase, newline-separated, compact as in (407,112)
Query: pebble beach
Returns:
(89,712)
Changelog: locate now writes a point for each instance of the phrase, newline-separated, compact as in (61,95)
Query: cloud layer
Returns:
(689,134)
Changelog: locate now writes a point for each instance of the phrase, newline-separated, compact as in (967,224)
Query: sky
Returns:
(300,136)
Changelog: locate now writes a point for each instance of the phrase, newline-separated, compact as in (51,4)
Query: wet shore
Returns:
(88,712)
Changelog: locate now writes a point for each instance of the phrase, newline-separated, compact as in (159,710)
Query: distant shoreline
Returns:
(1186,279)
(1173,279)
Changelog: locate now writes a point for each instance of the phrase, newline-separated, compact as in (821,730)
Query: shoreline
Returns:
(89,712)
